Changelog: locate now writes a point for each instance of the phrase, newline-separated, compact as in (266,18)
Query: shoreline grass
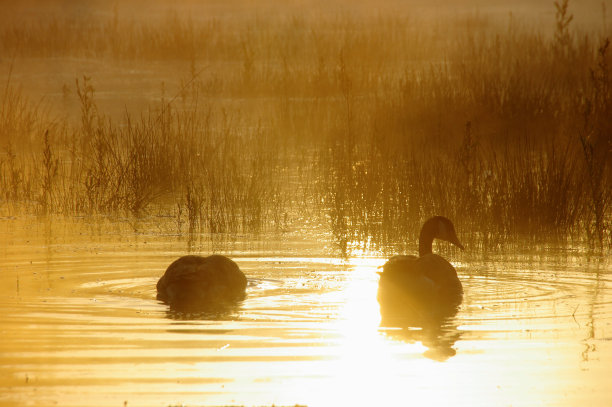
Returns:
(374,123)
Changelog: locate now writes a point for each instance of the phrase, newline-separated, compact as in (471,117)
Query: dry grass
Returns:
(494,137)
(503,127)
(193,157)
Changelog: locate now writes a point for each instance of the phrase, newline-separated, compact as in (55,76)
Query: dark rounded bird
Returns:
(425,287)
(192,282)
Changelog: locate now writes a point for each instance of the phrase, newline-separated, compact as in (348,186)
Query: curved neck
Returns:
(426,238)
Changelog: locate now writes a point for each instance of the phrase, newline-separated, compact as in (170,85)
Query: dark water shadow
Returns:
(439,338)
(434,325)
(190,311)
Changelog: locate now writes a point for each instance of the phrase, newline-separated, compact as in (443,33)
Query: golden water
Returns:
(80,326)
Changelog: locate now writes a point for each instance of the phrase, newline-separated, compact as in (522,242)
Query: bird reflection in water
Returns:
(204,311)
(437,333)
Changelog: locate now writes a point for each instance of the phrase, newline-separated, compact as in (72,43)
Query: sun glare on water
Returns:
(374,365)
(364,369)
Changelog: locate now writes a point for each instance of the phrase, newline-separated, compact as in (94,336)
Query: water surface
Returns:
(80,325)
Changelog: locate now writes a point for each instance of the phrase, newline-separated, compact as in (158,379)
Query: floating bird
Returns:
(202,283)
(421,289)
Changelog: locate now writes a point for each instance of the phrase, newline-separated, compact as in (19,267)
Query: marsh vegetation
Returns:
(367,123)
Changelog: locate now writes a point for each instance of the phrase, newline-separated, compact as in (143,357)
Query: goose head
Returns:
(437,227)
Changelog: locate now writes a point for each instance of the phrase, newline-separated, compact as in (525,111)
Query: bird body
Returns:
(421,287)
(200,281)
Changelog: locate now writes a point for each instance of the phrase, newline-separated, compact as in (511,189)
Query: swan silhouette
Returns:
(425,289)
(202,283)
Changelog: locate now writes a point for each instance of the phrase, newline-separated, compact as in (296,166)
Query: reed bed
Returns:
(372,121)
(510,136)
(189,159)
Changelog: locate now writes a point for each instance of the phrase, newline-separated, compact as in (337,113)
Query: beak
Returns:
(457,243)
